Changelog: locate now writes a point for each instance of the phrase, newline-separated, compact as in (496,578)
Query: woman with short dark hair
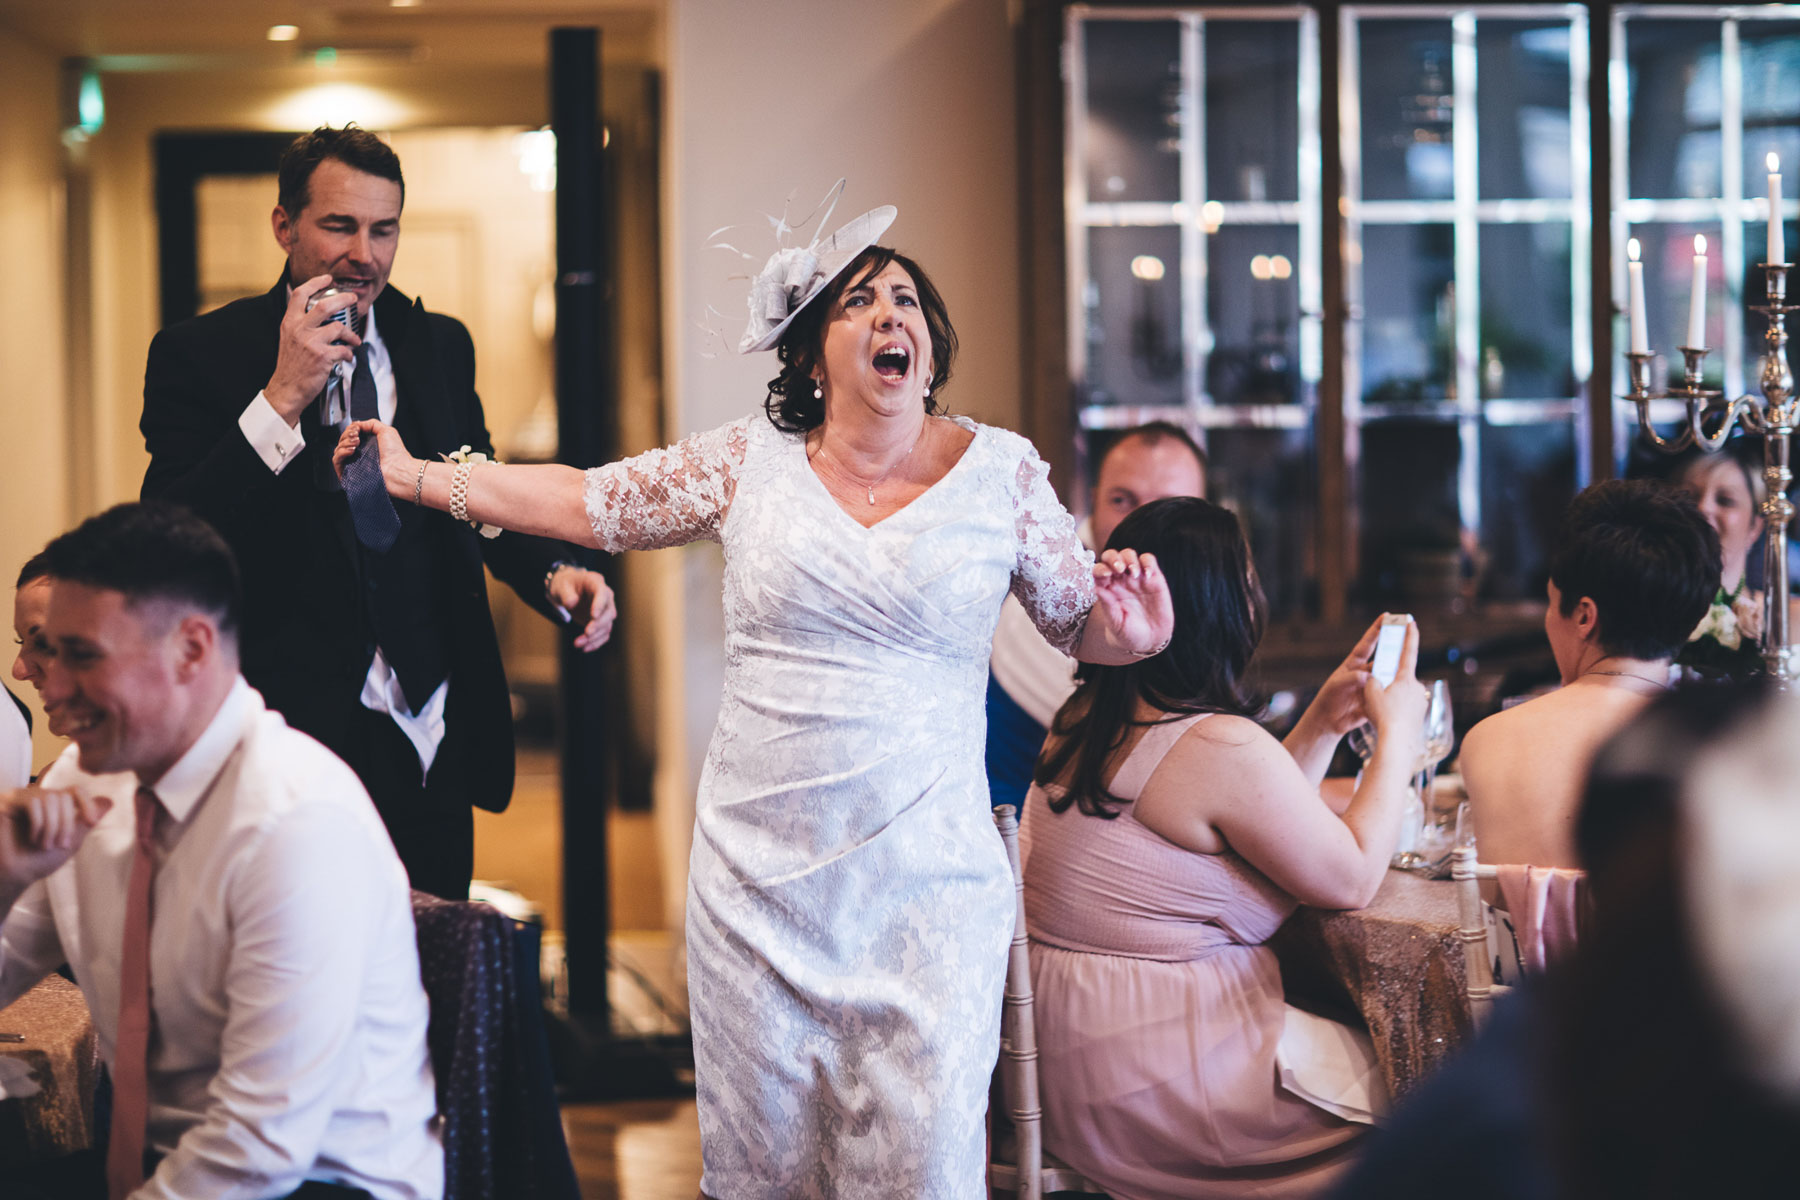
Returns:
(1166,838)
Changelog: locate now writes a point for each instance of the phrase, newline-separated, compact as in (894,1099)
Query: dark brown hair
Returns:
(152,551)
(1218,623)
(791,405)
(1645,556)
(36,567)
(354,147)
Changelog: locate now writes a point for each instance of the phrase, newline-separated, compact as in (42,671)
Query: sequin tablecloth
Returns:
(58,1063)
(1397,962)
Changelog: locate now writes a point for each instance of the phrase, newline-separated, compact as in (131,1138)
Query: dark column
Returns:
(590,1059)
(1602,449)
(586,412)
(1338,445)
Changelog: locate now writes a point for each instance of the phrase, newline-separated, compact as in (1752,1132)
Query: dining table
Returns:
(49,1068)
(1397,964)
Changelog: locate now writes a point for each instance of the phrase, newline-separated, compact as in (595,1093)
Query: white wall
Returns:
(34,482)
(914,104)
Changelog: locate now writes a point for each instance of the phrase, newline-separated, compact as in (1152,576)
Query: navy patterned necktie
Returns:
(371,511)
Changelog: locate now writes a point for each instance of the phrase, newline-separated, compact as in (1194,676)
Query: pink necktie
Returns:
(131,1089)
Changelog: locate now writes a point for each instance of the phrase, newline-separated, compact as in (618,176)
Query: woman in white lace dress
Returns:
(849,902)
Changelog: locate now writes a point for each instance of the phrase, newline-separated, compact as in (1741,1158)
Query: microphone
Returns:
(334,399)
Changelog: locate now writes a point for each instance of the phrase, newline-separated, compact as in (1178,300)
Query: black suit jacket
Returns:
(308,639)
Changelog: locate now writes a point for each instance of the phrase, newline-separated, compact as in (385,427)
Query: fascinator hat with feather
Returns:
(795,275)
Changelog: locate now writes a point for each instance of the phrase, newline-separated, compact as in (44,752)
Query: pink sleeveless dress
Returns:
(1160,1012)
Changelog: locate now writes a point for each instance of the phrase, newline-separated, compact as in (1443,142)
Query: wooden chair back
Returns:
(1472,930)
(1031,1173)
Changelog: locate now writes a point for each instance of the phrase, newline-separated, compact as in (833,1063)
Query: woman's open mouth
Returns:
(892,362)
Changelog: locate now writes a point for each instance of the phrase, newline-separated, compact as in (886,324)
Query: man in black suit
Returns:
(387,656)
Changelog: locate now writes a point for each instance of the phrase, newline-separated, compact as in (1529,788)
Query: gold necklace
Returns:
(917,438)
(1627,675)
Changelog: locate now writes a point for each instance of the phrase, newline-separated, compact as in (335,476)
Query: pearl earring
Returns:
(818,392)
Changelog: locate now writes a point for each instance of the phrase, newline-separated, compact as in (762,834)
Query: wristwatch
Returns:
(556,566)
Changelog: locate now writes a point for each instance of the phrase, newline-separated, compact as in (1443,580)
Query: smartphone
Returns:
(1385,663)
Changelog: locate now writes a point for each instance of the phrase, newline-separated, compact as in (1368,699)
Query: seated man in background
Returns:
(1028,678)
(1633,570)
(223,888)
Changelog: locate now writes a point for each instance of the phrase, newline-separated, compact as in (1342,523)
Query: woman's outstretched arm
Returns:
(539,498)
(665,497)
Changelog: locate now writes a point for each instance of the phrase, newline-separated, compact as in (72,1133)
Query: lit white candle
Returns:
(1696,338)
(1634,274)
(1777,244)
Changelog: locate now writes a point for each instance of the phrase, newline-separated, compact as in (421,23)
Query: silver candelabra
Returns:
(1773,416)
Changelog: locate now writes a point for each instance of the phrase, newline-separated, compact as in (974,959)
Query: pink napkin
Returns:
(1545,903)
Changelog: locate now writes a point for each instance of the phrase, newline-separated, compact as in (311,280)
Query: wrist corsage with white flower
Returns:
(467,458)
(1727,642)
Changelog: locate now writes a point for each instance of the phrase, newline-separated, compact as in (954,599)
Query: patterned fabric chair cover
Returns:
(502,1130)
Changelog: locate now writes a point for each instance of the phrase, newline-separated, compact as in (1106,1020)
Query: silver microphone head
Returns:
(344,316)
(336,405)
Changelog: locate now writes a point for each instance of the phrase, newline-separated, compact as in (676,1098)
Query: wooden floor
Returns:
(522,849)
(640,1150)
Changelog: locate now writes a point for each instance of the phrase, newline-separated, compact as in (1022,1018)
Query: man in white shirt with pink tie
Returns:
(225,893)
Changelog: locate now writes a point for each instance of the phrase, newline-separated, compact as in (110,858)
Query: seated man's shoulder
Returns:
(1524,769)
(293,773)
(1552,710)
(299,818)
(1505,744)
(1497,727)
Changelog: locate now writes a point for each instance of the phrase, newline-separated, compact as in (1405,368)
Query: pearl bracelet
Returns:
(459,491)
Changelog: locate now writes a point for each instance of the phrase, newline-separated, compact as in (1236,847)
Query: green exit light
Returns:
(90,105)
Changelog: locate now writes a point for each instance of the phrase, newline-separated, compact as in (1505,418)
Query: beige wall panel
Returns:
(914,104)
(34,483)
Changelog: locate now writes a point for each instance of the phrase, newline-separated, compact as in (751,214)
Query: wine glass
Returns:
(1440,736)
(1421,850)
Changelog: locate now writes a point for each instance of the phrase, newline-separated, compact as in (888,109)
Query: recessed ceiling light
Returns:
(403,3)
(283,33)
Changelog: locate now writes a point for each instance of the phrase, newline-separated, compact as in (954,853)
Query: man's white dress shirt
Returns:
(288,1016)
(277,443)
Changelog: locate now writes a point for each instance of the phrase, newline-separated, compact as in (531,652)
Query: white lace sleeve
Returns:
(1054,578)
(666,497)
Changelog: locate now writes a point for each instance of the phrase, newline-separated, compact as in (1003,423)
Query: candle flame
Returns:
(1631,249)
(1774,161)
(1699,243)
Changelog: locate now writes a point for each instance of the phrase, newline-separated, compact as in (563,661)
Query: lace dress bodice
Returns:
(683,493)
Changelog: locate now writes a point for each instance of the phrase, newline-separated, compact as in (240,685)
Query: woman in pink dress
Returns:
(1167,836)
